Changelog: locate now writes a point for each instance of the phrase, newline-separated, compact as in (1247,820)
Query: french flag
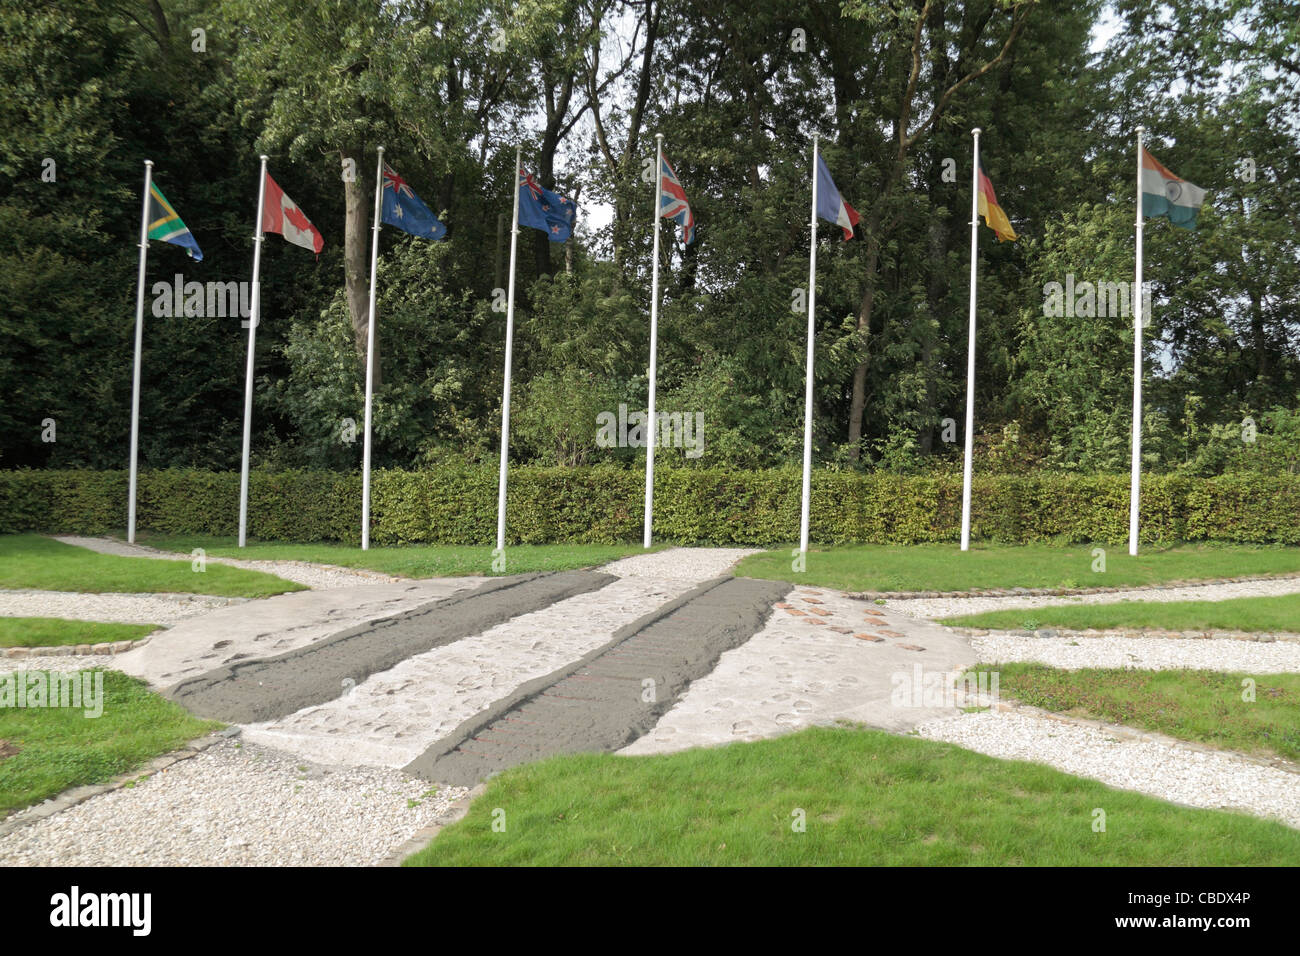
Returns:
(830,205)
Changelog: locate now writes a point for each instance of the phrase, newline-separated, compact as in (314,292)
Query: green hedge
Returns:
(599,505)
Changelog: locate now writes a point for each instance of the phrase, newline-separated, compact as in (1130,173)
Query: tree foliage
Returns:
(892,89)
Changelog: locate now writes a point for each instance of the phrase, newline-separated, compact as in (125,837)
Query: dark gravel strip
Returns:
(269,688)
(602,702)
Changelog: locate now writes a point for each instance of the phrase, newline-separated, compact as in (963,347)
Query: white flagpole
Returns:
(652,429)
(970,346)
(510,340)
(370,356)
(1135,297)
(248,375)
(808,384)
(139,342)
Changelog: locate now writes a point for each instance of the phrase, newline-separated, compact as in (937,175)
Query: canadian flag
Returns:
(281,214)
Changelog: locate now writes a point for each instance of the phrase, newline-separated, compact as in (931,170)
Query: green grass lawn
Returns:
(411,561)
(1236,614)
(57,632)
(31,561)
(943,567)
(1201,706)
(869,798)
(58,748)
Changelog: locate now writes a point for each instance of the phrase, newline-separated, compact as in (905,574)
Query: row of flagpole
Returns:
(652,440)
(510,341)
(977,192)
(1135,477)
(827,204)
(139,344)
(805,495)
(255,314)
(970,342)
(370,351)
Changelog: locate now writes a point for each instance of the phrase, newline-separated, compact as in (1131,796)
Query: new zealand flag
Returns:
(542,209)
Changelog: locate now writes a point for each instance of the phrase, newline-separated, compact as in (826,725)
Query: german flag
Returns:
(993,215)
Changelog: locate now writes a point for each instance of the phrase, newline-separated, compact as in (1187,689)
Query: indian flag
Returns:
(1164,194)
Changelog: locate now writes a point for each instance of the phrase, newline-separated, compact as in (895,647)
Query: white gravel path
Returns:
(697,564)
(251,804)
(63,663)
(951,607)
(164,609)
(244,804)
(300,572)
(1142,653)
(276,625)
(819,658)
(234,805)
(1129,761)
(394,716)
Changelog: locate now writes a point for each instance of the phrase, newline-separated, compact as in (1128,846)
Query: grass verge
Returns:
(1236,614)
(58,632)
(1201,706)
(943,567)
(32,561)
(867,798)
(410,561)
(60,747)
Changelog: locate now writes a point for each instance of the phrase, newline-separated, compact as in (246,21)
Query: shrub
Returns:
(603,505)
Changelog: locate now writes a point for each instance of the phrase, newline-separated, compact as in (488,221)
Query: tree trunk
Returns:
(354,259)
(937,297)
(1259,338)
(859,400)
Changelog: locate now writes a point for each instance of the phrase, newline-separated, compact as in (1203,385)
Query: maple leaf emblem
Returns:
(299,221)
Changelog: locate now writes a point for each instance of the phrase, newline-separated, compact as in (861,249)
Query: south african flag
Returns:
(165,225)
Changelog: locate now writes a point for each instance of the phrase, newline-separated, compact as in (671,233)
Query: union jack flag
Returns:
(526,179)
(396,182)
(672,201)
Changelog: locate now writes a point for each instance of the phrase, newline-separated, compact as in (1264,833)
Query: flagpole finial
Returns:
(381,150)
(976,131)
(659,135)
(148,162)
(264,158)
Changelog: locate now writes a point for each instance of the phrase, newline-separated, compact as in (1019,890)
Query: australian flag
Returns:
(542,209)
(403,209)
